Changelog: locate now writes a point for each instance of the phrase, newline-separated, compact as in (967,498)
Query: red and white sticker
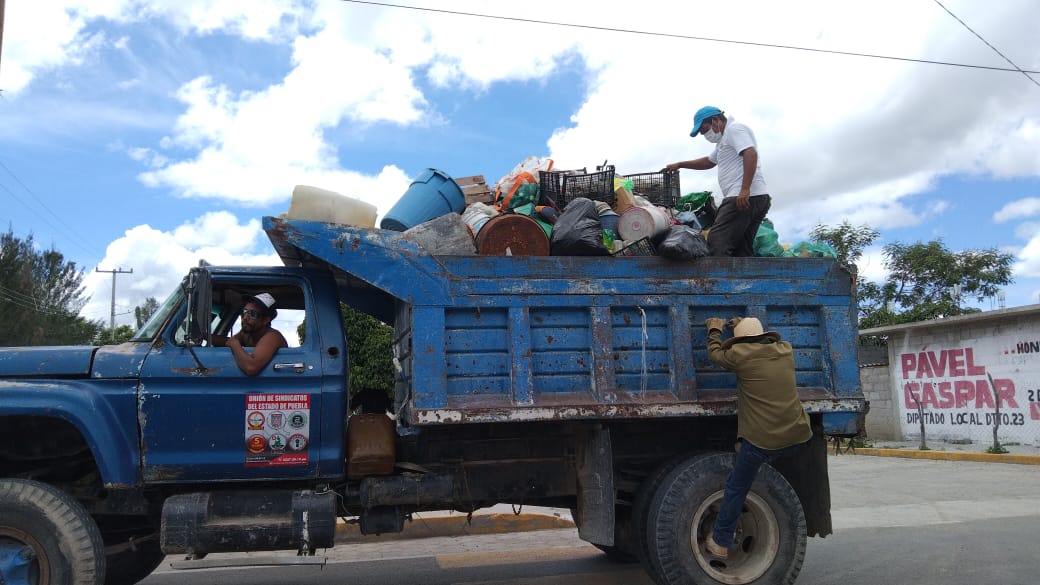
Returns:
(277,429)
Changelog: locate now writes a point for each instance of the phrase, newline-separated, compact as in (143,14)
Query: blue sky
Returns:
(147,134)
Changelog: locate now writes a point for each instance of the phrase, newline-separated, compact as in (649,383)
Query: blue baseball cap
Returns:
(702,115)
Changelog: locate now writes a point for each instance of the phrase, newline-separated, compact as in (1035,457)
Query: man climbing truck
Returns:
(556,381)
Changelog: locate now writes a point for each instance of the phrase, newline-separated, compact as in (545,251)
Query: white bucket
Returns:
(475,217)
(642,222)
(317,204)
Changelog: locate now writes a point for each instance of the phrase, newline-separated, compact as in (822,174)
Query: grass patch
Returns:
(997,449)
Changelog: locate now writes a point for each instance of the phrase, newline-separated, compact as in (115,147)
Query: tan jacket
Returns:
(769,413)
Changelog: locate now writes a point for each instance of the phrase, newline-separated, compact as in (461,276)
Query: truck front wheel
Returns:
(770,539)
(47,537)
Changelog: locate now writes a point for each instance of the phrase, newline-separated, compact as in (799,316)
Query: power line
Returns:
(76,237)
(995,50)
(686,37)
(30,303)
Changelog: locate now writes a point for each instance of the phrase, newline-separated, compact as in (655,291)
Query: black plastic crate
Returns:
(661,189)
(564,187)
(640,247)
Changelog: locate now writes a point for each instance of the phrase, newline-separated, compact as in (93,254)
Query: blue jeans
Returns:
(745,468)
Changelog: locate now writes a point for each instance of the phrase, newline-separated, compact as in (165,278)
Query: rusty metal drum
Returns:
(512,234)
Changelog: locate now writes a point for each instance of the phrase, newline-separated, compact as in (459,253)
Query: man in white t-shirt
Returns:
(745,198)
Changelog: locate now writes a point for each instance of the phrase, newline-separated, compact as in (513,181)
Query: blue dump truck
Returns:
(572,382)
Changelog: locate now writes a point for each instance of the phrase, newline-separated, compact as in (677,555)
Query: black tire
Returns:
(641,509)
(64,538)
(127,567)
(771,534)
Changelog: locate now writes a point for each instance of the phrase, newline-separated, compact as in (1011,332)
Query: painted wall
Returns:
(961,372)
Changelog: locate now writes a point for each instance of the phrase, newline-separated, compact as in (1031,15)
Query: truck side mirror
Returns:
(200,301)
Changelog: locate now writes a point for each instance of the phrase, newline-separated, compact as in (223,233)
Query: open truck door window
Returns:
(233,426)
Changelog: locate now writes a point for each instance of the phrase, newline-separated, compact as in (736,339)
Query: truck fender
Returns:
(97,417)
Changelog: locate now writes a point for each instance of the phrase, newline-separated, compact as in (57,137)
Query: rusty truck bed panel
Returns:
(485,339)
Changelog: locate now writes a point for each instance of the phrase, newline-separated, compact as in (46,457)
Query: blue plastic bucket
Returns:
(432,194)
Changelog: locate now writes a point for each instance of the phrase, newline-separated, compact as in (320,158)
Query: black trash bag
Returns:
(683,243)
(706,214)
(578,232)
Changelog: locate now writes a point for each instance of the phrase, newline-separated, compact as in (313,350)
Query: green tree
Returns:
(121,334)
(40,296)
(921,280)
(144,311)
(847,240)
(368,349)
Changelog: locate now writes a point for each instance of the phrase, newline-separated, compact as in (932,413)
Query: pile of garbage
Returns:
(536,210)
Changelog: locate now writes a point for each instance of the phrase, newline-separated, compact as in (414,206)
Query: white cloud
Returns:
(871,265)
(161,259)
(38,36)
(1027,207)
(1027,264)
(1027,230)
(42,36)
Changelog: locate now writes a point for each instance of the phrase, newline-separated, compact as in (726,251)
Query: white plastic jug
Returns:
(317,204)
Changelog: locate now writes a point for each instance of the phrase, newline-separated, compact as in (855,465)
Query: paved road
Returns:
(896,521)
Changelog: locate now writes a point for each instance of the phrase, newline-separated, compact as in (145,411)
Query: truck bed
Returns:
(493,339)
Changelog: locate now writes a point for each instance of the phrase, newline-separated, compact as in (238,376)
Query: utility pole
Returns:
(2,7)
(112,319)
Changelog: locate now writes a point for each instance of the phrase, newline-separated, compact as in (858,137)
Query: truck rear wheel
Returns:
(770,539)
(53,533)
(641,509)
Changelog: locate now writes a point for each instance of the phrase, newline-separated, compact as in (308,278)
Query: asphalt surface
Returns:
(896,520)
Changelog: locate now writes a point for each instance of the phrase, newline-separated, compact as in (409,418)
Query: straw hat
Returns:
(749,329)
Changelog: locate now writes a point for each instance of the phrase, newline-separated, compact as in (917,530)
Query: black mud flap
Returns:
(807,473)
(595,472)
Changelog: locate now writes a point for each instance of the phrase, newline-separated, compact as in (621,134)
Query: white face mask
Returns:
(711,135)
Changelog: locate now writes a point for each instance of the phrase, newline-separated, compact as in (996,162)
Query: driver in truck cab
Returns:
(256,333)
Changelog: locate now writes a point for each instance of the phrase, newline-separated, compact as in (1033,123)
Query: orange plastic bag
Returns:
(524,173)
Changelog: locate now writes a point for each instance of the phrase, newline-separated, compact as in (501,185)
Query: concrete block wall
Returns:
(883,419)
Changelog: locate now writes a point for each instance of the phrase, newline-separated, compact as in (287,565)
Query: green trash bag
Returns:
(692,201)
(767,242)
(811,250)
(527,194)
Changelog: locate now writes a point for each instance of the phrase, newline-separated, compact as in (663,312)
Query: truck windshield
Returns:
(157,319)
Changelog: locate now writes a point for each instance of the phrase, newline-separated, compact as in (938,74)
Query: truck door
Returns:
(201,418)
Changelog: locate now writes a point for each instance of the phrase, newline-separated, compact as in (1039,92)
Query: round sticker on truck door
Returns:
(297,442)
(256,444)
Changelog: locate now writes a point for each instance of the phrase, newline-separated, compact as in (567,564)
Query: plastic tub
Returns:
(432,194)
